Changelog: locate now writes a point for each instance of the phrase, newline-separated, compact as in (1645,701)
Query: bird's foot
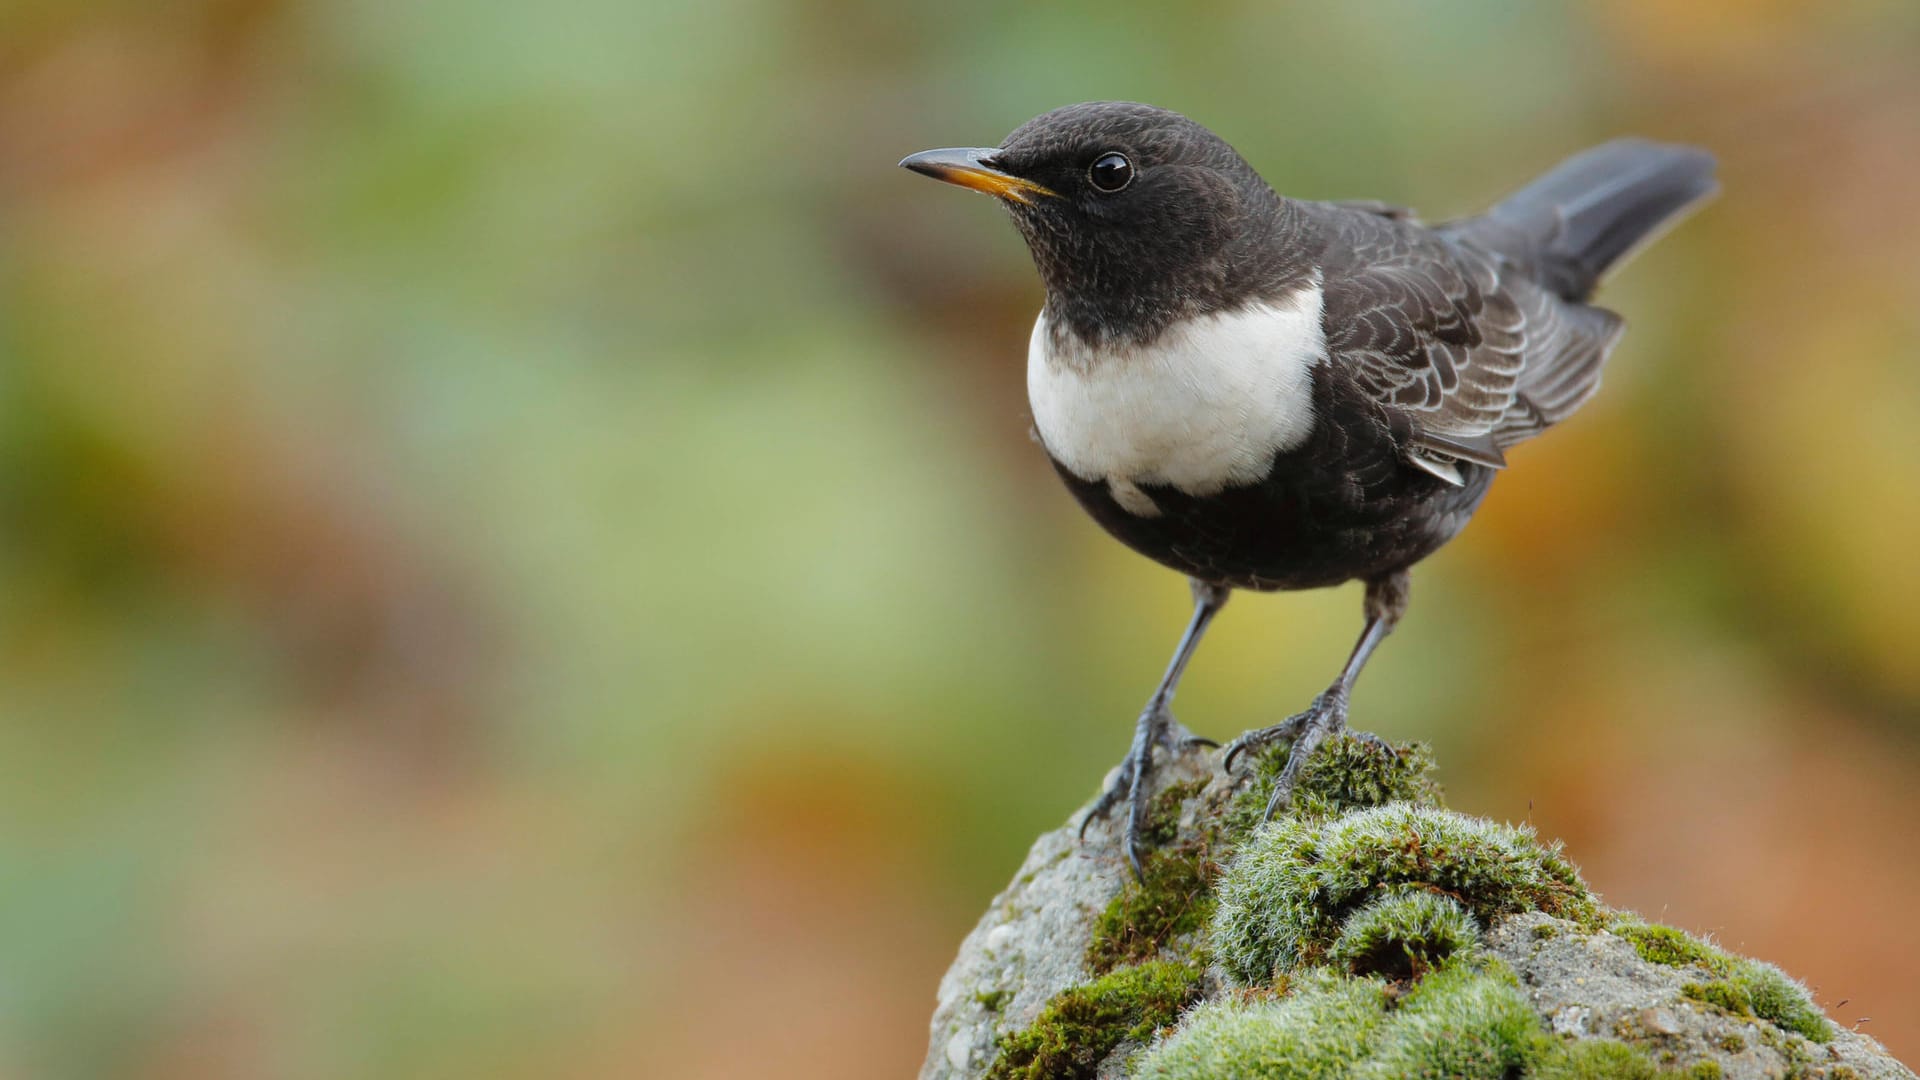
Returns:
(1133,781)
(1306,731)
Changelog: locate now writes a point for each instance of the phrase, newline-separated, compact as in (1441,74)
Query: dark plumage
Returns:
(1341,506)
(1265,393)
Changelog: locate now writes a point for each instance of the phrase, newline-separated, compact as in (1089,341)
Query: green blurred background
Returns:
(520,553)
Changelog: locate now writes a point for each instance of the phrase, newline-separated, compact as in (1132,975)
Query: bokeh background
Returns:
(520,553)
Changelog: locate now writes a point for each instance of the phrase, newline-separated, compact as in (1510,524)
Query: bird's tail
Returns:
(1590,212)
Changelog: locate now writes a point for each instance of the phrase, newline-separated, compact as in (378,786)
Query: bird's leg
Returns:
(1386,602)
(1157,727)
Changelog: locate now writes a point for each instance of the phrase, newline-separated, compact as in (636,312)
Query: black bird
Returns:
(1267,393)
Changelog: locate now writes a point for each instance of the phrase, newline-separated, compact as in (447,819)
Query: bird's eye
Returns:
(1110,172)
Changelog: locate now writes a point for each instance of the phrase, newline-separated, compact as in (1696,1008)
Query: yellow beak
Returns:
(967,167)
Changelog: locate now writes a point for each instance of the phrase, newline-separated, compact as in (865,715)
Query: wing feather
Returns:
(1474,352)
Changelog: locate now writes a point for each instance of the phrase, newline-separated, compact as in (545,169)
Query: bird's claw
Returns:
(1377,742)
(1306,731)
(1327,715)
(1176,738)
(1286,730)
(1115,790)
(1133,780)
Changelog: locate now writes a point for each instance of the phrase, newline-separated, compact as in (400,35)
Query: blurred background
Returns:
(520,553)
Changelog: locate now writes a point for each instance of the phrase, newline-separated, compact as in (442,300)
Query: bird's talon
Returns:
(1377,743)
(1177,739)
(1327,715)
(1234,749)
(1287,730)
(1115,791)
(1133,781)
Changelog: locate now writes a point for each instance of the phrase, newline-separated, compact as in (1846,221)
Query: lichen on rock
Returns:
(1368,933)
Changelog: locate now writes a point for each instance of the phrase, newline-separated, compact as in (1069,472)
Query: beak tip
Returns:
(930,162)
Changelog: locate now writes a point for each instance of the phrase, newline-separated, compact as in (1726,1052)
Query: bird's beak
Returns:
(968,168)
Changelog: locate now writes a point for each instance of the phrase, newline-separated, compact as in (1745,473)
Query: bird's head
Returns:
(1132,213)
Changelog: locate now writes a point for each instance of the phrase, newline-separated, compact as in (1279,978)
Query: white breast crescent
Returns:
(1205,406)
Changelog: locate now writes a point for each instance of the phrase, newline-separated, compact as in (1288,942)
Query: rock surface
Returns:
(1032,942)
(1026,966)
(1597,984)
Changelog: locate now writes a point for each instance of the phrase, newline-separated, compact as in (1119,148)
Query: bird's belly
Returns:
(1298,528)
(1233,452)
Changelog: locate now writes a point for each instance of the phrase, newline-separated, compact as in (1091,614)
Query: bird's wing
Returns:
(1476,356)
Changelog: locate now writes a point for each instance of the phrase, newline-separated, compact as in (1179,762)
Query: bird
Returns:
(1266,393)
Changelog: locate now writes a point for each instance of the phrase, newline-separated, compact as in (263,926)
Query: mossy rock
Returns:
(1175,895)
(1173,898)
(1294,885)
(1081,1026)
(1369,933)
(1743,987)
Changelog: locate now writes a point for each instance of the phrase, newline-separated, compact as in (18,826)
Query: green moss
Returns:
(1082,1025)
(1173,898)
(992,1000)
(1320,1031)
(1460,1021)
(1777,998)
(1731,1043)
(1665,945)
(1721,994)
(1348,772)
(1592,1059)
(1545,932)
(1464,1020)
(1293,885)
(1403,933)
(1754,989)
(1610,1059)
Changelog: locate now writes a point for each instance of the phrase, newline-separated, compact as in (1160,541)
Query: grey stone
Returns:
(1031,944)
(1615,993)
